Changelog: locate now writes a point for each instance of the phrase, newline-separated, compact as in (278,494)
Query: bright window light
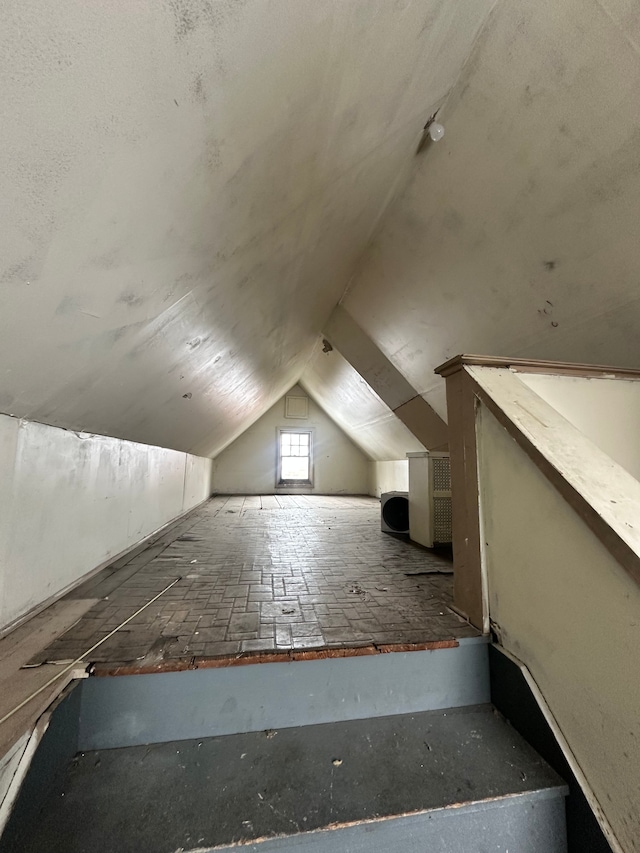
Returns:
(294,457)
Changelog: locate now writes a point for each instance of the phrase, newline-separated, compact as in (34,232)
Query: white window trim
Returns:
(293,484)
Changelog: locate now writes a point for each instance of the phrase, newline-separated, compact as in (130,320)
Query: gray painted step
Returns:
(527,824)
(454,781)
(138,709)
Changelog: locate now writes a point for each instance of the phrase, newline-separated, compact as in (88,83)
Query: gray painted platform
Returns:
(139,709)
(527,824)
(449,781)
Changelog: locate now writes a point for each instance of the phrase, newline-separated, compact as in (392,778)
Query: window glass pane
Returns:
(295,452)
(295,468)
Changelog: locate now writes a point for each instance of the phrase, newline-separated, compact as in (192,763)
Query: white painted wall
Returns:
(248,466)
(71,501)
(389,476)
(606,410)
(569,612)
(366,418)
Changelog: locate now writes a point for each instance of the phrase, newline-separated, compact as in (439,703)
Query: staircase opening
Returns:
(366,753)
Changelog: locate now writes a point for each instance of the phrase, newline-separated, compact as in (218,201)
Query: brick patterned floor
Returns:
(265,574)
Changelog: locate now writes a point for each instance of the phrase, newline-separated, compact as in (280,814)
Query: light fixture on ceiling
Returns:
(436,131)
(433,131)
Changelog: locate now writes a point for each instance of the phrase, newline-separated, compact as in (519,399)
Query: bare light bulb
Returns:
(436,131)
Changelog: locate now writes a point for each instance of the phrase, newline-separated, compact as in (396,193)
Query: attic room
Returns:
(248,249)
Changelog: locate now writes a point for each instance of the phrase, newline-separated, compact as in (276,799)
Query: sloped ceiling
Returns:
(355,407)
(187,186)
(518,234)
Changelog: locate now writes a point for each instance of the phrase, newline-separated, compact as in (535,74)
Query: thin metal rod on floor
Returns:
(84,654)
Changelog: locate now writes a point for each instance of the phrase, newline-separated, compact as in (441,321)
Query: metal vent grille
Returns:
(442,519)
(296,407)
(441,474)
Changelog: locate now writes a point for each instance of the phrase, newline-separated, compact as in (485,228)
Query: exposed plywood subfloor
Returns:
(263,575)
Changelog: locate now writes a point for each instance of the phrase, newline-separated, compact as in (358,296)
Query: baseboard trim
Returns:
(512,708)
(287,490)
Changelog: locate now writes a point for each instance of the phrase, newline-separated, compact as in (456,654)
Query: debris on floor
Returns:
(260,583)
(439,570)
(356,589)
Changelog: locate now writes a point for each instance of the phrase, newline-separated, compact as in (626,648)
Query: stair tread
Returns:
(223,790)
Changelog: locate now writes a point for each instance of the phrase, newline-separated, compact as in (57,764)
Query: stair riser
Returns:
(533,823)
(139,709)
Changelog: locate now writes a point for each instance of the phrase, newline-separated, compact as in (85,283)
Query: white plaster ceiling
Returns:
(186,187)
(518,234)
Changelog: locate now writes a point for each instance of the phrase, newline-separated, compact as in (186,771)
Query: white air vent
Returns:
(430,498)
(296,407)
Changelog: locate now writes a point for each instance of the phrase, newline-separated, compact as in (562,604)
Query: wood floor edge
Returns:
(288,655)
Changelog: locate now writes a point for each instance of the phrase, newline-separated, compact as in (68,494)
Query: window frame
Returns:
(290,484)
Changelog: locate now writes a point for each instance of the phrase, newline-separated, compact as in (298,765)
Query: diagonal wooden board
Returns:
(22,643)
(17,684)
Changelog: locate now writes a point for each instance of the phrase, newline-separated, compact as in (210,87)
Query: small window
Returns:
(294,457)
